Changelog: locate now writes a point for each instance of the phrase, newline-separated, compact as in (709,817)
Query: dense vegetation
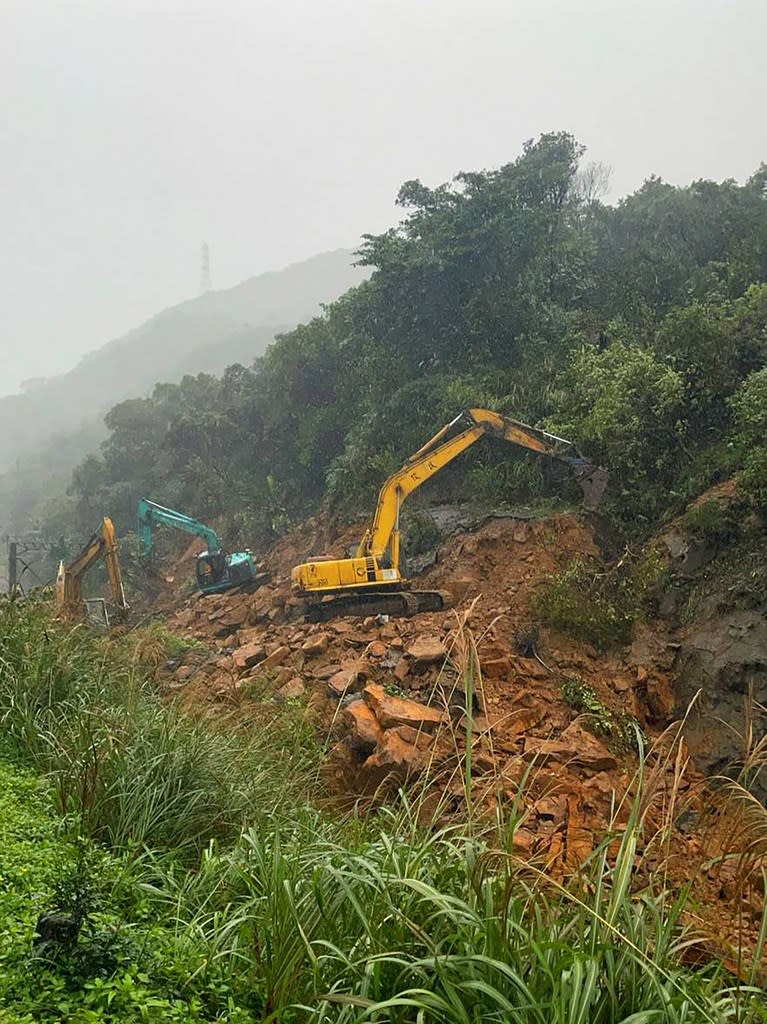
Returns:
(207,887)
(50,427)
(639,330)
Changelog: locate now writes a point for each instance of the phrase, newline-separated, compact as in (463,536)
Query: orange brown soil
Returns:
(390,700)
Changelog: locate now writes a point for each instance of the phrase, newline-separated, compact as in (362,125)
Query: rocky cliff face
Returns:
(721,666)
(715,617)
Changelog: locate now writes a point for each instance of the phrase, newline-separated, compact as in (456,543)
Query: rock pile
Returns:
(413,701)
(469,699)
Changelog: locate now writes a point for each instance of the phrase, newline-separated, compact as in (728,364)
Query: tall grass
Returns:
(133,770)
(400,925)
(314,918)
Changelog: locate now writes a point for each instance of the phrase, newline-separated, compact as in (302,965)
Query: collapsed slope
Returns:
(473,710)
(402,699)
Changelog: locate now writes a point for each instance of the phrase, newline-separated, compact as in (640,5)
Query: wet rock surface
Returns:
(721,670)
(710,642)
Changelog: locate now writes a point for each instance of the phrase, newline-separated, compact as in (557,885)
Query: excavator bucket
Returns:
(593,483)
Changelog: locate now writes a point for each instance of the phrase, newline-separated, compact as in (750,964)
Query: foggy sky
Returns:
(131,130)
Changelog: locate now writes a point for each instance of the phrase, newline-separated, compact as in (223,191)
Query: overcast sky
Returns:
(131,130)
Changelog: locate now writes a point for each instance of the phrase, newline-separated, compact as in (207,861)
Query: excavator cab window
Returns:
(96,612)
(211,568)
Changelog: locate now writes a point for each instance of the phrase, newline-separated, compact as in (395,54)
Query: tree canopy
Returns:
(638,329)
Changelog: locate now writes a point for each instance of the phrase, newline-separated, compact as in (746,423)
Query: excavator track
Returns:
(399,603)
(246,587)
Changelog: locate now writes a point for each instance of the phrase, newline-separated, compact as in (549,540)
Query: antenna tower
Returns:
(205,284)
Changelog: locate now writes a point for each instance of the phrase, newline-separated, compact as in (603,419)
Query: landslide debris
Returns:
(477,704)
(403,701)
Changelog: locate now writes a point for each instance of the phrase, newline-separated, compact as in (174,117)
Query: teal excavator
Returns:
(216,570)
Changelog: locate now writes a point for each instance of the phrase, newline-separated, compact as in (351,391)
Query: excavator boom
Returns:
(70,578)
(376,567)
(150,515)
(216,570)
(432,456)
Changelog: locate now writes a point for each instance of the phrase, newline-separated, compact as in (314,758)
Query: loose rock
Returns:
(316,644)
(366,730)
(292,689)
(248,655)
(425,651)
(392,711)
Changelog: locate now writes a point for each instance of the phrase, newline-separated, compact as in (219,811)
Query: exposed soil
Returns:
(412,702)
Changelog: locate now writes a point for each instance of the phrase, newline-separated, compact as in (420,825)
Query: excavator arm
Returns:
(150,514)
(437,453)
(371,581)
(427,461)
(70,578)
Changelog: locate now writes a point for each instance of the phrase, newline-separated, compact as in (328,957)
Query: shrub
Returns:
(749,406)
(599,607)
(620,729)
(124,965)
(753,479)
(714,522)
(626,406)
(155,644)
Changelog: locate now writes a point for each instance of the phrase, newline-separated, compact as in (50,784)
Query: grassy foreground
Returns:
(210,888)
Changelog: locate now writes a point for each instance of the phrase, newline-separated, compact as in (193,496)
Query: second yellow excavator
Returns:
(371,582)
(70,602)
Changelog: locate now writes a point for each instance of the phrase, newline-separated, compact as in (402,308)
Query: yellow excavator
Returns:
(70,603)
(371,582)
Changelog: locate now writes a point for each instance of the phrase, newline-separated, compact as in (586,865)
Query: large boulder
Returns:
(574,747)
(721,665)
(366,731)
(394,759)
(426,650)
(346,680)
(316,644)
(392,711)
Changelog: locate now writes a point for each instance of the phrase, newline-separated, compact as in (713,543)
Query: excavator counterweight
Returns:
(372,581)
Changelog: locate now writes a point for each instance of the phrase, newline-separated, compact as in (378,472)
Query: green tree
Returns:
(626,406)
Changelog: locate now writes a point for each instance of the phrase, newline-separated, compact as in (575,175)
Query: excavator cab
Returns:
(217,571)
(97,613)
(211,568)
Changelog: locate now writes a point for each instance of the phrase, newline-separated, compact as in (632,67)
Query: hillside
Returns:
(636,330)
(202,335)
(544,794)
